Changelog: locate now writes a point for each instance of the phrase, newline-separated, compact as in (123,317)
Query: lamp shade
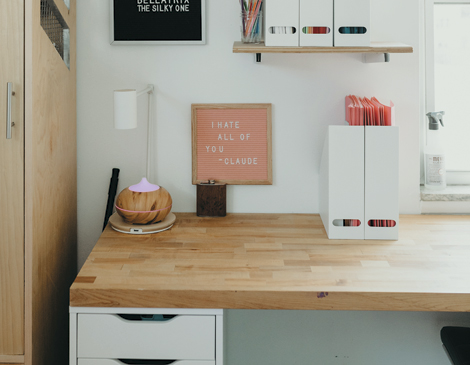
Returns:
(125,109)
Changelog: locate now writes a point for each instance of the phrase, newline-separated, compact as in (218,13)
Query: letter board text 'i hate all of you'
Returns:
(232,143)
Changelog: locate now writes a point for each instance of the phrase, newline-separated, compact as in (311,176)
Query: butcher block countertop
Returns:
(280,261)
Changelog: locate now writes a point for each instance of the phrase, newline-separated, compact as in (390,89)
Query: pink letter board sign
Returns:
(231,143)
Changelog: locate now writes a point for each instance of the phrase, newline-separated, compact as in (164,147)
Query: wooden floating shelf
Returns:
(375,48)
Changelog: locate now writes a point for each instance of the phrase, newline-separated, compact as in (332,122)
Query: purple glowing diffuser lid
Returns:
(143,187)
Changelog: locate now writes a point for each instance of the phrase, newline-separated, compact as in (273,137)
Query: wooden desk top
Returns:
(280,261)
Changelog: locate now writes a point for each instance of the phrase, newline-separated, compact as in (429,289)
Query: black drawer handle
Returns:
(146,362)
(147,317)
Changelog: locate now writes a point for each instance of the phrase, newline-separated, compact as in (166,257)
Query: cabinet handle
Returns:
(147,317)
(10,93)
(146,362)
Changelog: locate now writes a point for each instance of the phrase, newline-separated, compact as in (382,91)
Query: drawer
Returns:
(118,362)
(111,336)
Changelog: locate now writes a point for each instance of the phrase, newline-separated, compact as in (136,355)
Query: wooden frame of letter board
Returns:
(268,107)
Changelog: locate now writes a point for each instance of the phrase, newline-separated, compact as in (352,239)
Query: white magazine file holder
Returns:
(316,13)
(349,13)
(281,15)
(359,180)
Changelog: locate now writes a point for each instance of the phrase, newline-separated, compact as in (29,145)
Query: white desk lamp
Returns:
(125,113)
(142,208)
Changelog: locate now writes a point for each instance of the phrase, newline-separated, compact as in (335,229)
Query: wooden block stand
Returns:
(211,200)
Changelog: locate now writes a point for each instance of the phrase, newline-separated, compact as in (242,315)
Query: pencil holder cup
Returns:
(252,26)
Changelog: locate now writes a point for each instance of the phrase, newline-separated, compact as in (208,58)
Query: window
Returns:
(448,80)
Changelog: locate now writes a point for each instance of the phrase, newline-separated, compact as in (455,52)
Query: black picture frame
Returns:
(157,22)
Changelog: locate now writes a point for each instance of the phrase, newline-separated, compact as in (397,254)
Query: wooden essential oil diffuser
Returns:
(143,208)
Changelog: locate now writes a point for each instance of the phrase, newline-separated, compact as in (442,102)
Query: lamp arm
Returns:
(149,130)
(149,90)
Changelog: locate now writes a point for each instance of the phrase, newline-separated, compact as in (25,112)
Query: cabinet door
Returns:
(11,179)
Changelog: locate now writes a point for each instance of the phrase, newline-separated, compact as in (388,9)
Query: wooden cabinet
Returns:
(37,179)
(11,179)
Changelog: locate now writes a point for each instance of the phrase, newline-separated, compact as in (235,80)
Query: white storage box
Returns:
(281,23)
(342,181)
(316,23)
(381,181)
(352,23)
(359,182)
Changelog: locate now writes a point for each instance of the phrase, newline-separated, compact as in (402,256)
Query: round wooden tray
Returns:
(118,224)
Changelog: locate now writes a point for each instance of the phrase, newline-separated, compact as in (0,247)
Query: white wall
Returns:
(336,338)
(307,93)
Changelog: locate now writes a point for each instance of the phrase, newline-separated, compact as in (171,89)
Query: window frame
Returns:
(454,177)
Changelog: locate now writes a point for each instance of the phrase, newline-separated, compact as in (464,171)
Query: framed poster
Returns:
(157,22)
(231,143)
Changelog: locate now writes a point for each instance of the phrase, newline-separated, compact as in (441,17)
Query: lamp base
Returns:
(118,224)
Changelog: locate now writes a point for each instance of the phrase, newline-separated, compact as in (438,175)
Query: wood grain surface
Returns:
(143,208)
(280,261)
(211,200)
(50,187)
(12,180)
(375,47)
(11,359)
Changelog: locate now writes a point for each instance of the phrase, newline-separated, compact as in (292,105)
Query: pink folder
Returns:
(389,113)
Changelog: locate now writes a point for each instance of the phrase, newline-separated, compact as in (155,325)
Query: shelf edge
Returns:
(239,47)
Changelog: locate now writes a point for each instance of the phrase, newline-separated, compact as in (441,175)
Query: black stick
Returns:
(111,195)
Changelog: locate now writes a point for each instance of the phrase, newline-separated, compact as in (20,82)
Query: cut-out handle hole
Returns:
(316,30)
(353,30)
(147,317)
(382,223)
(146,362)
(282,30)
(346,222)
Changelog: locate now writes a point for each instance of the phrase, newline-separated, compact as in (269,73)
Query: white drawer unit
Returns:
(120,362)
(122,336)
(181,337)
